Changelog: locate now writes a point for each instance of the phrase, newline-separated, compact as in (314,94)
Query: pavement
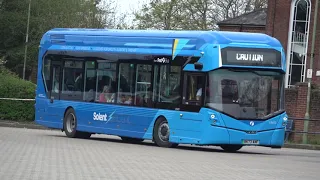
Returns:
(48,154)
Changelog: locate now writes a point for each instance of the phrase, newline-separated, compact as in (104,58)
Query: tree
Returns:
(159,14)
(198,14)
(192,14)
(45,15)
(12,31)
(252,5)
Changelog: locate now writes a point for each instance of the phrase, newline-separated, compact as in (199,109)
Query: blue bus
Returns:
(172,87)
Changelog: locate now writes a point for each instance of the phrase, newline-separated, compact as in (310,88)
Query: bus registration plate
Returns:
(250,141)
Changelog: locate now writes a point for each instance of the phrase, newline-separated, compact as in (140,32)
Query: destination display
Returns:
(251,57)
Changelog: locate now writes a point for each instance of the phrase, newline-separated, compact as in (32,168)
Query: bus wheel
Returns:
(70,126)
(161,133)
(131,140)
(231,148)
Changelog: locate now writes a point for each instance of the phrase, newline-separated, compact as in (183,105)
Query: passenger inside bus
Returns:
(199,87)
(125,99)
(199,93)
(107,95)
(78,83)
(56,82)
(128,100)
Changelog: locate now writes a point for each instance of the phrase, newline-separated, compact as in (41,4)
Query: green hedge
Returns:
(11,86)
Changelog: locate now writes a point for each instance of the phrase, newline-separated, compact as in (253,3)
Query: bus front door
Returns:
(52,111)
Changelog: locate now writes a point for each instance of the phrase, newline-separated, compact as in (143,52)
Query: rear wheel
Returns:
(231,148)
(70,126)
(161,134)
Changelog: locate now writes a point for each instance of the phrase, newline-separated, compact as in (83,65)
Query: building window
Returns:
(298,42)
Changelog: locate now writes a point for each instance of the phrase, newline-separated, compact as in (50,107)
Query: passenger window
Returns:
(167,84)
(175,77)
(90,81)
(126,84)
(46,70)
(143,86)
(193,92)
(73,82)
(55,82)
(106,82)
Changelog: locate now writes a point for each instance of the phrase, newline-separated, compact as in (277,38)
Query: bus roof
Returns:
(159,36)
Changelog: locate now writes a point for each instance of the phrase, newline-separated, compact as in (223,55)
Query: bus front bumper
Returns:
(220,136)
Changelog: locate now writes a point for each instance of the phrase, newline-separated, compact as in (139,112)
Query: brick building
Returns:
(291,22)
(250,22)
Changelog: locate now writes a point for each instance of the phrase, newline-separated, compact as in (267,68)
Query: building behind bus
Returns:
(291,22)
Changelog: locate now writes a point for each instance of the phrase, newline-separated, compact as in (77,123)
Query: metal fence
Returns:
(291,121)
(290,129)
(17,99)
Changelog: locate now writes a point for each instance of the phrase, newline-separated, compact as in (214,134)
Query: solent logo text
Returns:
(249,57)
(100,117)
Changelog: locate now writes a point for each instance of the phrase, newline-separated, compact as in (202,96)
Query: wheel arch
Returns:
(155,121)
(64,115)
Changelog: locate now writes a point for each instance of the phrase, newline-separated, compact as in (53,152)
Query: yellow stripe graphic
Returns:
(176,41)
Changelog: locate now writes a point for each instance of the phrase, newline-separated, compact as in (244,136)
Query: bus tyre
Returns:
(231,148)
(70,126)
(161,134)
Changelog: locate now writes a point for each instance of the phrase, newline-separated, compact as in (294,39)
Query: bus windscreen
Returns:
(245,94)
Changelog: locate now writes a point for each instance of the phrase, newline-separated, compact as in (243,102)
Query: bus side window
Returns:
(143,85)
(72,80)
(89,81)
(105,82)
(46,69)
(193,91)
(126,83)
(55,80)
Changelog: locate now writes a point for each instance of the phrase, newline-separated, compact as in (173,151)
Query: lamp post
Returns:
(26,43)
(307,115)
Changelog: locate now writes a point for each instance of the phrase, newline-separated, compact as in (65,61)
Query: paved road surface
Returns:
(43,154)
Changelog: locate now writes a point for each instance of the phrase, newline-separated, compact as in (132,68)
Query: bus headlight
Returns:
(285,121)
(213,119)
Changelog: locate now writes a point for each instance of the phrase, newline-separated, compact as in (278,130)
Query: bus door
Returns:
(192,101)
(54,94)
(194,88)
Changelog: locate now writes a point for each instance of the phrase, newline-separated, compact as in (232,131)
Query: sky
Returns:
(127,6)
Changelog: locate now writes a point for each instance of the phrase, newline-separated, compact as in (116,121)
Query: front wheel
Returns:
(231,148)
(161,133)
(70,126)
